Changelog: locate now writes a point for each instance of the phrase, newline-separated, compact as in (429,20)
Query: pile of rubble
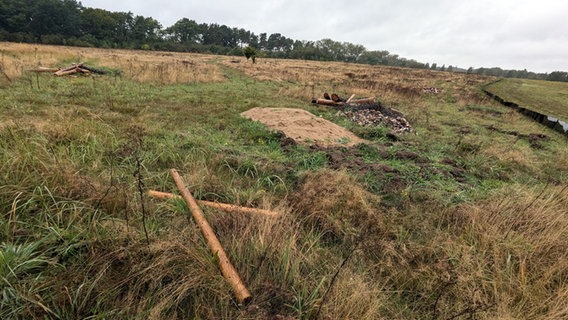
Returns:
(376,114)
(431,90)
(366,112)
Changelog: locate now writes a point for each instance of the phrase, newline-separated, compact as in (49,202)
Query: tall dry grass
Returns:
(304,79)
(142,66)
(511,251)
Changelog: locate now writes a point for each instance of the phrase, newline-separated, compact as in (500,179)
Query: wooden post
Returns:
(363,101)
(217,205)
(350,98)
(326,102)
(227,269)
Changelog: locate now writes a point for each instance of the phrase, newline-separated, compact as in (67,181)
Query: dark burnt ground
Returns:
(535,139)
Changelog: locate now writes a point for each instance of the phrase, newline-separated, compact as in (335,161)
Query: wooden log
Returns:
(350,98)
(84,71)
(336,98)
(227,269)
(43,69)
(66,72)
(92,70)
(326,102)
(363,101)
(71,67)
(217,205)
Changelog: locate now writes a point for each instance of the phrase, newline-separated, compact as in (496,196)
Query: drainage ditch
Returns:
(549,121)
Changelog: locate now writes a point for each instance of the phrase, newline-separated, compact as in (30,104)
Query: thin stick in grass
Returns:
(216,205)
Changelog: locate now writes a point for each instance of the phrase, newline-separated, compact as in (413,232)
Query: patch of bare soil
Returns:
(303,126)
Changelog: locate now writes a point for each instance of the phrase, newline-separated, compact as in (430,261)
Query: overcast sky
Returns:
(511,34)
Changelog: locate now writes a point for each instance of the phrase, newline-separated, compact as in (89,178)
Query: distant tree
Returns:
(245,38)
(558,76)
(55,17)
(304,50)
(434,66)
(183,31)
(145,30)
(15,15)
(263,42)
(352,52)
(219,35)
(100,27)
(374,57)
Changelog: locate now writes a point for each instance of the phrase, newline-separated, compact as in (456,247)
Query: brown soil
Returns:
(303,127)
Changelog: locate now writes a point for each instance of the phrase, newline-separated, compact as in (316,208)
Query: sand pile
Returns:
(303,126)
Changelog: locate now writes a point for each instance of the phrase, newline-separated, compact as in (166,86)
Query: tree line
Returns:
(68,22)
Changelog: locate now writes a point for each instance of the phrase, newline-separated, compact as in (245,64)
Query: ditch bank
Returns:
(551,122)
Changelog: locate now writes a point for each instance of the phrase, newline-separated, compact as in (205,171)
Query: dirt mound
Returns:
(303,127)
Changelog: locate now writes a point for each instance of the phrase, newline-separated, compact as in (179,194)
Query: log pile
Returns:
(77,68)
(335,100)
(73,69)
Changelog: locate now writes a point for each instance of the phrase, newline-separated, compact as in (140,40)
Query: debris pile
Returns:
(431,90)
(366,112)
(375,114)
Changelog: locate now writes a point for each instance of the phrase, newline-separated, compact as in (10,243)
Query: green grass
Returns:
(547,97)
(456,218)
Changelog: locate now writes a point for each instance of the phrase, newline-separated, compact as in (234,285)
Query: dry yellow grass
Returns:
(388,84)
(521,233)
(142,66)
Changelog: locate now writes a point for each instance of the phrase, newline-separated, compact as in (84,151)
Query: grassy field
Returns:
(467,217)
(546,97)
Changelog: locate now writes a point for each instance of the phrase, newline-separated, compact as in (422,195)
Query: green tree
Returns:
(145,30)
(15,15)
(352,52)
(219,35)
(263,42)
(55,17)
(558,76)
(100,25)
(184,31)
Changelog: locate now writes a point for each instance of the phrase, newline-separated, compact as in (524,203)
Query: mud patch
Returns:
(354,158)
(303,127)
(535,139)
